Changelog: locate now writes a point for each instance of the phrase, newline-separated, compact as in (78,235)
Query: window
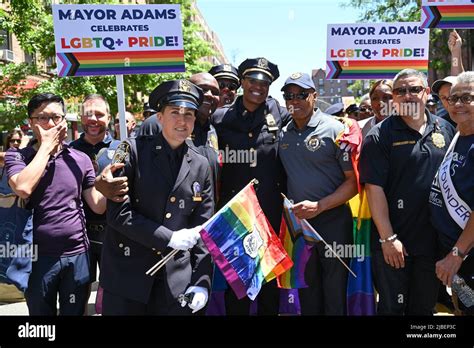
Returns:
(332,90)
(321,91)
(339,90)
(4,40)
(321,82)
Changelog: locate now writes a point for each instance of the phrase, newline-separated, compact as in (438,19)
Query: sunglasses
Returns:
(16,141)
(465,99)
(414,90)
(291,96)
(365,109)
(230,85)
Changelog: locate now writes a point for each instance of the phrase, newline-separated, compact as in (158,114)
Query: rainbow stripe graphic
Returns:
(371,69)
(120,62)
(461,16)
(244,246)
(295,235)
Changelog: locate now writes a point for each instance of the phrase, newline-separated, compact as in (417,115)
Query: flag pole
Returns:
(327,245)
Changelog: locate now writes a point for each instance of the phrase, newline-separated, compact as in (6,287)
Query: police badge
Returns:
(438,140)
(313,143)
(296,76)
(122,154)
(197,192)
(262,63)
(271,123)
(184,86)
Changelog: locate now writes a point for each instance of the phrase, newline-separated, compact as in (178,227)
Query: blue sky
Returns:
(290,33)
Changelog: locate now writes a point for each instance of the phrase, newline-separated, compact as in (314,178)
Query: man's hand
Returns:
(447,268)
(394,253)
(307,209)
(112,188)
(51,138)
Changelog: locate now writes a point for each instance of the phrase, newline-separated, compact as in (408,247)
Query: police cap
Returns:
(225,71)
(259,68)
(176,92)
(300,79)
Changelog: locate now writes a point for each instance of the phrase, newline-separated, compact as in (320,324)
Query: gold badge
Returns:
(212,140)
(262,63)
(438,140)
(271,123)
(184,86)
(296,76)
(122,154)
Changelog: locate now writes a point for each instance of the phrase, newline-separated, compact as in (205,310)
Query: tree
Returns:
(410,11)
(31,22)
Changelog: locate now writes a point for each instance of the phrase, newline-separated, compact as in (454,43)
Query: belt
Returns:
(95,227)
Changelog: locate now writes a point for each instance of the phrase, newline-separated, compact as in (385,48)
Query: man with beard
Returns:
(251,126)
(228,79)
(99,145)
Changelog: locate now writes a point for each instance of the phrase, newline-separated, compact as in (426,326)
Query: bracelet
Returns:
(389,239)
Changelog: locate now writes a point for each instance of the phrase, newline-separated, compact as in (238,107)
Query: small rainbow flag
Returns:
(371,69)
(360,289)
(243,244)
(449,16)
(120,62)
(298,238)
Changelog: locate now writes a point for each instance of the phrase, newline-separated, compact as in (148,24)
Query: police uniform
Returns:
(169,190)
(101,155)
(315,166)
(225,71)
(403,162)
(257,133)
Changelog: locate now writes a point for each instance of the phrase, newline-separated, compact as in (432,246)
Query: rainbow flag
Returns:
(360,289)
(243,244)
(447,16)
(298,238)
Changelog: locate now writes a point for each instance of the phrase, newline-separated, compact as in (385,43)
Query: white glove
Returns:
(185,239)
(199,299)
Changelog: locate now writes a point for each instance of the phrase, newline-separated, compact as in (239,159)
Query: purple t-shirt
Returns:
(58,220)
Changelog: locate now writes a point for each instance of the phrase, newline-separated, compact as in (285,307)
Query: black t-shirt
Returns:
(404,162)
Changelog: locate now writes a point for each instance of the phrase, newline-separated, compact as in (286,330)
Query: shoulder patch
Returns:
(122,153)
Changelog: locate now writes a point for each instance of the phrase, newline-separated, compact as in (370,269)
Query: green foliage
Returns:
(31,22)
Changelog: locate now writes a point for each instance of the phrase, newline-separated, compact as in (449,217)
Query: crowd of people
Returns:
(124,206)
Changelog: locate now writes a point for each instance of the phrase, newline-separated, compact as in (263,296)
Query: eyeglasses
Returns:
(465,99)
(45,118)
(291,96)
(16,141)
(230,85)
(414,90)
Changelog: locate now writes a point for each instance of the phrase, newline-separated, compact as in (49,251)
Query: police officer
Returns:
(229,82)
(170,196)
(248,133)
(399,159)
(321,180)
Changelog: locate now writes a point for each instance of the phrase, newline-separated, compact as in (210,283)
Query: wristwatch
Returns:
(456,252)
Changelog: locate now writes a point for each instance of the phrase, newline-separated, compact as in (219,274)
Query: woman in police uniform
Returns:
(170,196)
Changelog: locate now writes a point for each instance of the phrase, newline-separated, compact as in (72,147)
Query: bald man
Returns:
(131,124)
